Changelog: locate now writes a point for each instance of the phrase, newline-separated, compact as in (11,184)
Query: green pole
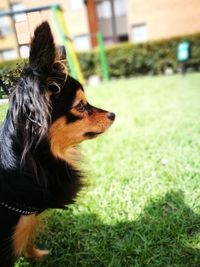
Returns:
(104,65)
(54,10)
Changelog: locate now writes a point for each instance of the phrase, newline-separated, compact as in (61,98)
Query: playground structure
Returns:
(66,41)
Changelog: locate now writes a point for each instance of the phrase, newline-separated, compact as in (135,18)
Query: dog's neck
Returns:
(45,181)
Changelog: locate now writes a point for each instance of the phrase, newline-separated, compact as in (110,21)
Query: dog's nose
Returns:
(111,116)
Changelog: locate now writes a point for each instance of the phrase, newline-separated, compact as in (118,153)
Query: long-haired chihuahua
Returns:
(48,116)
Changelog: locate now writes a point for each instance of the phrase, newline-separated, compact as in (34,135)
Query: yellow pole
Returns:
(70,46)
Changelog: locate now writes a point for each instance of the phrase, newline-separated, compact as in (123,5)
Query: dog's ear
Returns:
(29,102)
(42,52)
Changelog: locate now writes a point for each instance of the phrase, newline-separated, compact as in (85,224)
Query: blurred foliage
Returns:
(125,59)
(10,72)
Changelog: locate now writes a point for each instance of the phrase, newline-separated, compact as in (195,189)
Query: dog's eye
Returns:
(80,107)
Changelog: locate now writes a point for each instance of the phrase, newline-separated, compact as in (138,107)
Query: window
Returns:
(123,37)
(8,54)
(82,43)
(139,33)
(104,10)
(24,51)
(76,4)
(120,7)
(18,7)
(5,28)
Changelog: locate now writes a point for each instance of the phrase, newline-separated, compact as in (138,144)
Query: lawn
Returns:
(141,206)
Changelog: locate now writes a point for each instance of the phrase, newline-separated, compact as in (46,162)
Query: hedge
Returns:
(10,72)
(127,59)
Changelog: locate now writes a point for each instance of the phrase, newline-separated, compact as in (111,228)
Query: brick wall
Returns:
(165,18)
(76,19)
(8,41)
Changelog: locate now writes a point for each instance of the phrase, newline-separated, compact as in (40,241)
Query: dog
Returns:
(48,115)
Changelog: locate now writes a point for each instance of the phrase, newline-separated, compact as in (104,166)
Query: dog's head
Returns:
(49,103)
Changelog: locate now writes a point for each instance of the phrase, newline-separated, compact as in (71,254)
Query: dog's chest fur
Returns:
(56,184)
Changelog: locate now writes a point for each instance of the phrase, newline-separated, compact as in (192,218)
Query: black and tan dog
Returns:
(48,115)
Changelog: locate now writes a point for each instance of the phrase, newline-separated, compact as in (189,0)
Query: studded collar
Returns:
(20,209)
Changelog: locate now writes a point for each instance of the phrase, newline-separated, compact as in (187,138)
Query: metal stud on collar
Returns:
(20,211)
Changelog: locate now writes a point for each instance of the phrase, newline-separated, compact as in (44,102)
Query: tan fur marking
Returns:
(36,254)
(64,136)
(24,233)
(62,141)
(24,238)
(79,96)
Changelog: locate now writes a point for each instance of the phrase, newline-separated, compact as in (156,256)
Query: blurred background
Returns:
(147,34)
(118,20)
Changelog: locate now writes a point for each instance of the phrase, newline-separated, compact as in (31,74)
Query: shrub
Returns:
(10,72)
(126,59)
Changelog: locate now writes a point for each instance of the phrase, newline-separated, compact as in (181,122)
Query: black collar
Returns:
(22,210)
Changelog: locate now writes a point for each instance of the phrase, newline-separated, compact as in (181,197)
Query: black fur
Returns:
(8,221)
(30,175)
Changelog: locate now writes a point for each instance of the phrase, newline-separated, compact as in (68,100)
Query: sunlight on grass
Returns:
(142,203)
(3,109)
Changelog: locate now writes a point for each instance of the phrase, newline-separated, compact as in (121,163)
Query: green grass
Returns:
(142,203)
(3,108)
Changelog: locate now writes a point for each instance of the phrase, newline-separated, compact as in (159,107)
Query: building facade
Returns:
(159,19)
(8,38)
(118,20)
(16,31)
